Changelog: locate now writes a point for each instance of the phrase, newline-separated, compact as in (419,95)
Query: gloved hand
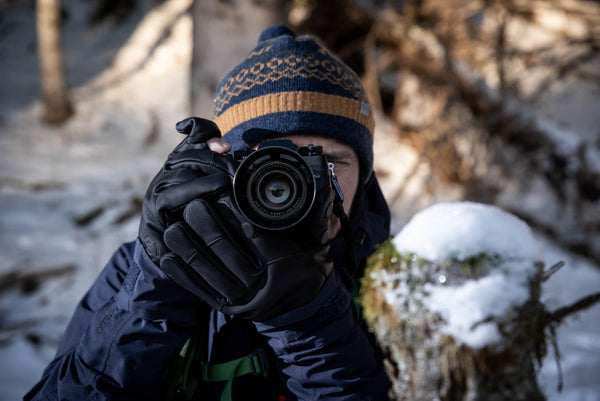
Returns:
(243,270)
(191,171)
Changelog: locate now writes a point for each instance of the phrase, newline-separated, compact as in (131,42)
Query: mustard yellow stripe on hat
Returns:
(296,101)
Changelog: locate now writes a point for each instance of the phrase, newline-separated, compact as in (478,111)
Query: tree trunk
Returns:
(224,34)
(454,302)
(55,98)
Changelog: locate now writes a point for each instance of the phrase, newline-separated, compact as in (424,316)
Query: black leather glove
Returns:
(243,270)
(191,171)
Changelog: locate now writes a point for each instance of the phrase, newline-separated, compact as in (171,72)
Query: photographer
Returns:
(240,283)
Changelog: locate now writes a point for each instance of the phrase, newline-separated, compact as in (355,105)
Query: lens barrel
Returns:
(274,186)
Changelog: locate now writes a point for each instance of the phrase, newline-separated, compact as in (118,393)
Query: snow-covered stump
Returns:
(454,299)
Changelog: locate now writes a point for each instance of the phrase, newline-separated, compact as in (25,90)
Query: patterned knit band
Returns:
(294,85)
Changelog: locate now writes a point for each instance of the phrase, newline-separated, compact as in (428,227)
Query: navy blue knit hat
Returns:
(294,85)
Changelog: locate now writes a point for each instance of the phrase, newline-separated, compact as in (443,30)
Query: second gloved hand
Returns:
(192,170)
(242,270)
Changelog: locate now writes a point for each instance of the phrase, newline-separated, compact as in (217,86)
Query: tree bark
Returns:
(57,106)
(426,361)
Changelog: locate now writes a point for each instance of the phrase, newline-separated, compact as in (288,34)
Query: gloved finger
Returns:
(202,160)
(195,253)
(198,129)
(263,245)
(180,193)
(223,239)
(191,281)
(266,246)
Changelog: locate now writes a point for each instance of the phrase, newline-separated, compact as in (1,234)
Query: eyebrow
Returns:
(341,155)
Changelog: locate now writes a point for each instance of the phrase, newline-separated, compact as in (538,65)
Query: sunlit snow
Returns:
(462,230)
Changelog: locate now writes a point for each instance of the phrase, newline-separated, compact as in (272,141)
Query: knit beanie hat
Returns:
(294,85)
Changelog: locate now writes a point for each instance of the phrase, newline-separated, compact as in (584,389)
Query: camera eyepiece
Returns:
(276,186)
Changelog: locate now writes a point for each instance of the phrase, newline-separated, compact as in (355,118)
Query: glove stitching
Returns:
(215,240)
(192,257)
(286,257)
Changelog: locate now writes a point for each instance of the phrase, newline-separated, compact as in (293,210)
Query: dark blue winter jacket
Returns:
(132,323)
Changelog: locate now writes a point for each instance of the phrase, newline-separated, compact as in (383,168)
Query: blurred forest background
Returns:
(495,101)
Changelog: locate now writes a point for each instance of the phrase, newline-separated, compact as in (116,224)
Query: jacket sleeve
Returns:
(323,352)
(123,335)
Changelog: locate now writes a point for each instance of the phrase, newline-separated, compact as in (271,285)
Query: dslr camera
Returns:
(279,186)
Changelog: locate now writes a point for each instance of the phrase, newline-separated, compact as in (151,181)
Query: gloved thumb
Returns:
(198,129)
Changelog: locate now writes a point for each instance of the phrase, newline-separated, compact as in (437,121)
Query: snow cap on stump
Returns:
(454,300)
(460,230)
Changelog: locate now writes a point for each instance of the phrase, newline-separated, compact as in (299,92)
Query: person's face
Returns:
(343,157)
(346,168)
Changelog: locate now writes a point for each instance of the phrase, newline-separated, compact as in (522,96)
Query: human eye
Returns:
(341,159)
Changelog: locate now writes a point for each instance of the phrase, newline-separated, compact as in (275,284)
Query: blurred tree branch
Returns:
(57,106)
(462,80)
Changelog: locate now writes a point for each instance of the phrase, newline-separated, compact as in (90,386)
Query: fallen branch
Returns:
(560,314)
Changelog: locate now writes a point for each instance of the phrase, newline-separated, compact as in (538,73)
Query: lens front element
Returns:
(276,190)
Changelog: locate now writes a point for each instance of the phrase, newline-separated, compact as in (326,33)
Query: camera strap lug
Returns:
(347,232)
(339,196)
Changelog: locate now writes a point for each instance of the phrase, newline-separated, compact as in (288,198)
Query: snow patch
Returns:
(461,230)
(465,308)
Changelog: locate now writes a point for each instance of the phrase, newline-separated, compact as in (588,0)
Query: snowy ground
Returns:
(69,196)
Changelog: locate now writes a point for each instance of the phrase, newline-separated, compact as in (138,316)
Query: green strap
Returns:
(188,351)
(178,379)
(231,369)
(249,364)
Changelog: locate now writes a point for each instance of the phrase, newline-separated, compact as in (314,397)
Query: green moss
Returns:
(414,273)
(386,257)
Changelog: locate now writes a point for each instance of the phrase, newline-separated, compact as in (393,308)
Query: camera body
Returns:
(279,186)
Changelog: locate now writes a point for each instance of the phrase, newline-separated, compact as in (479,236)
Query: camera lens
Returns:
(274,187)
(276,190)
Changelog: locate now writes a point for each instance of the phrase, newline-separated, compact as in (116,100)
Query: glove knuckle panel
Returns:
(178,241)
(221,239)
(182,275)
